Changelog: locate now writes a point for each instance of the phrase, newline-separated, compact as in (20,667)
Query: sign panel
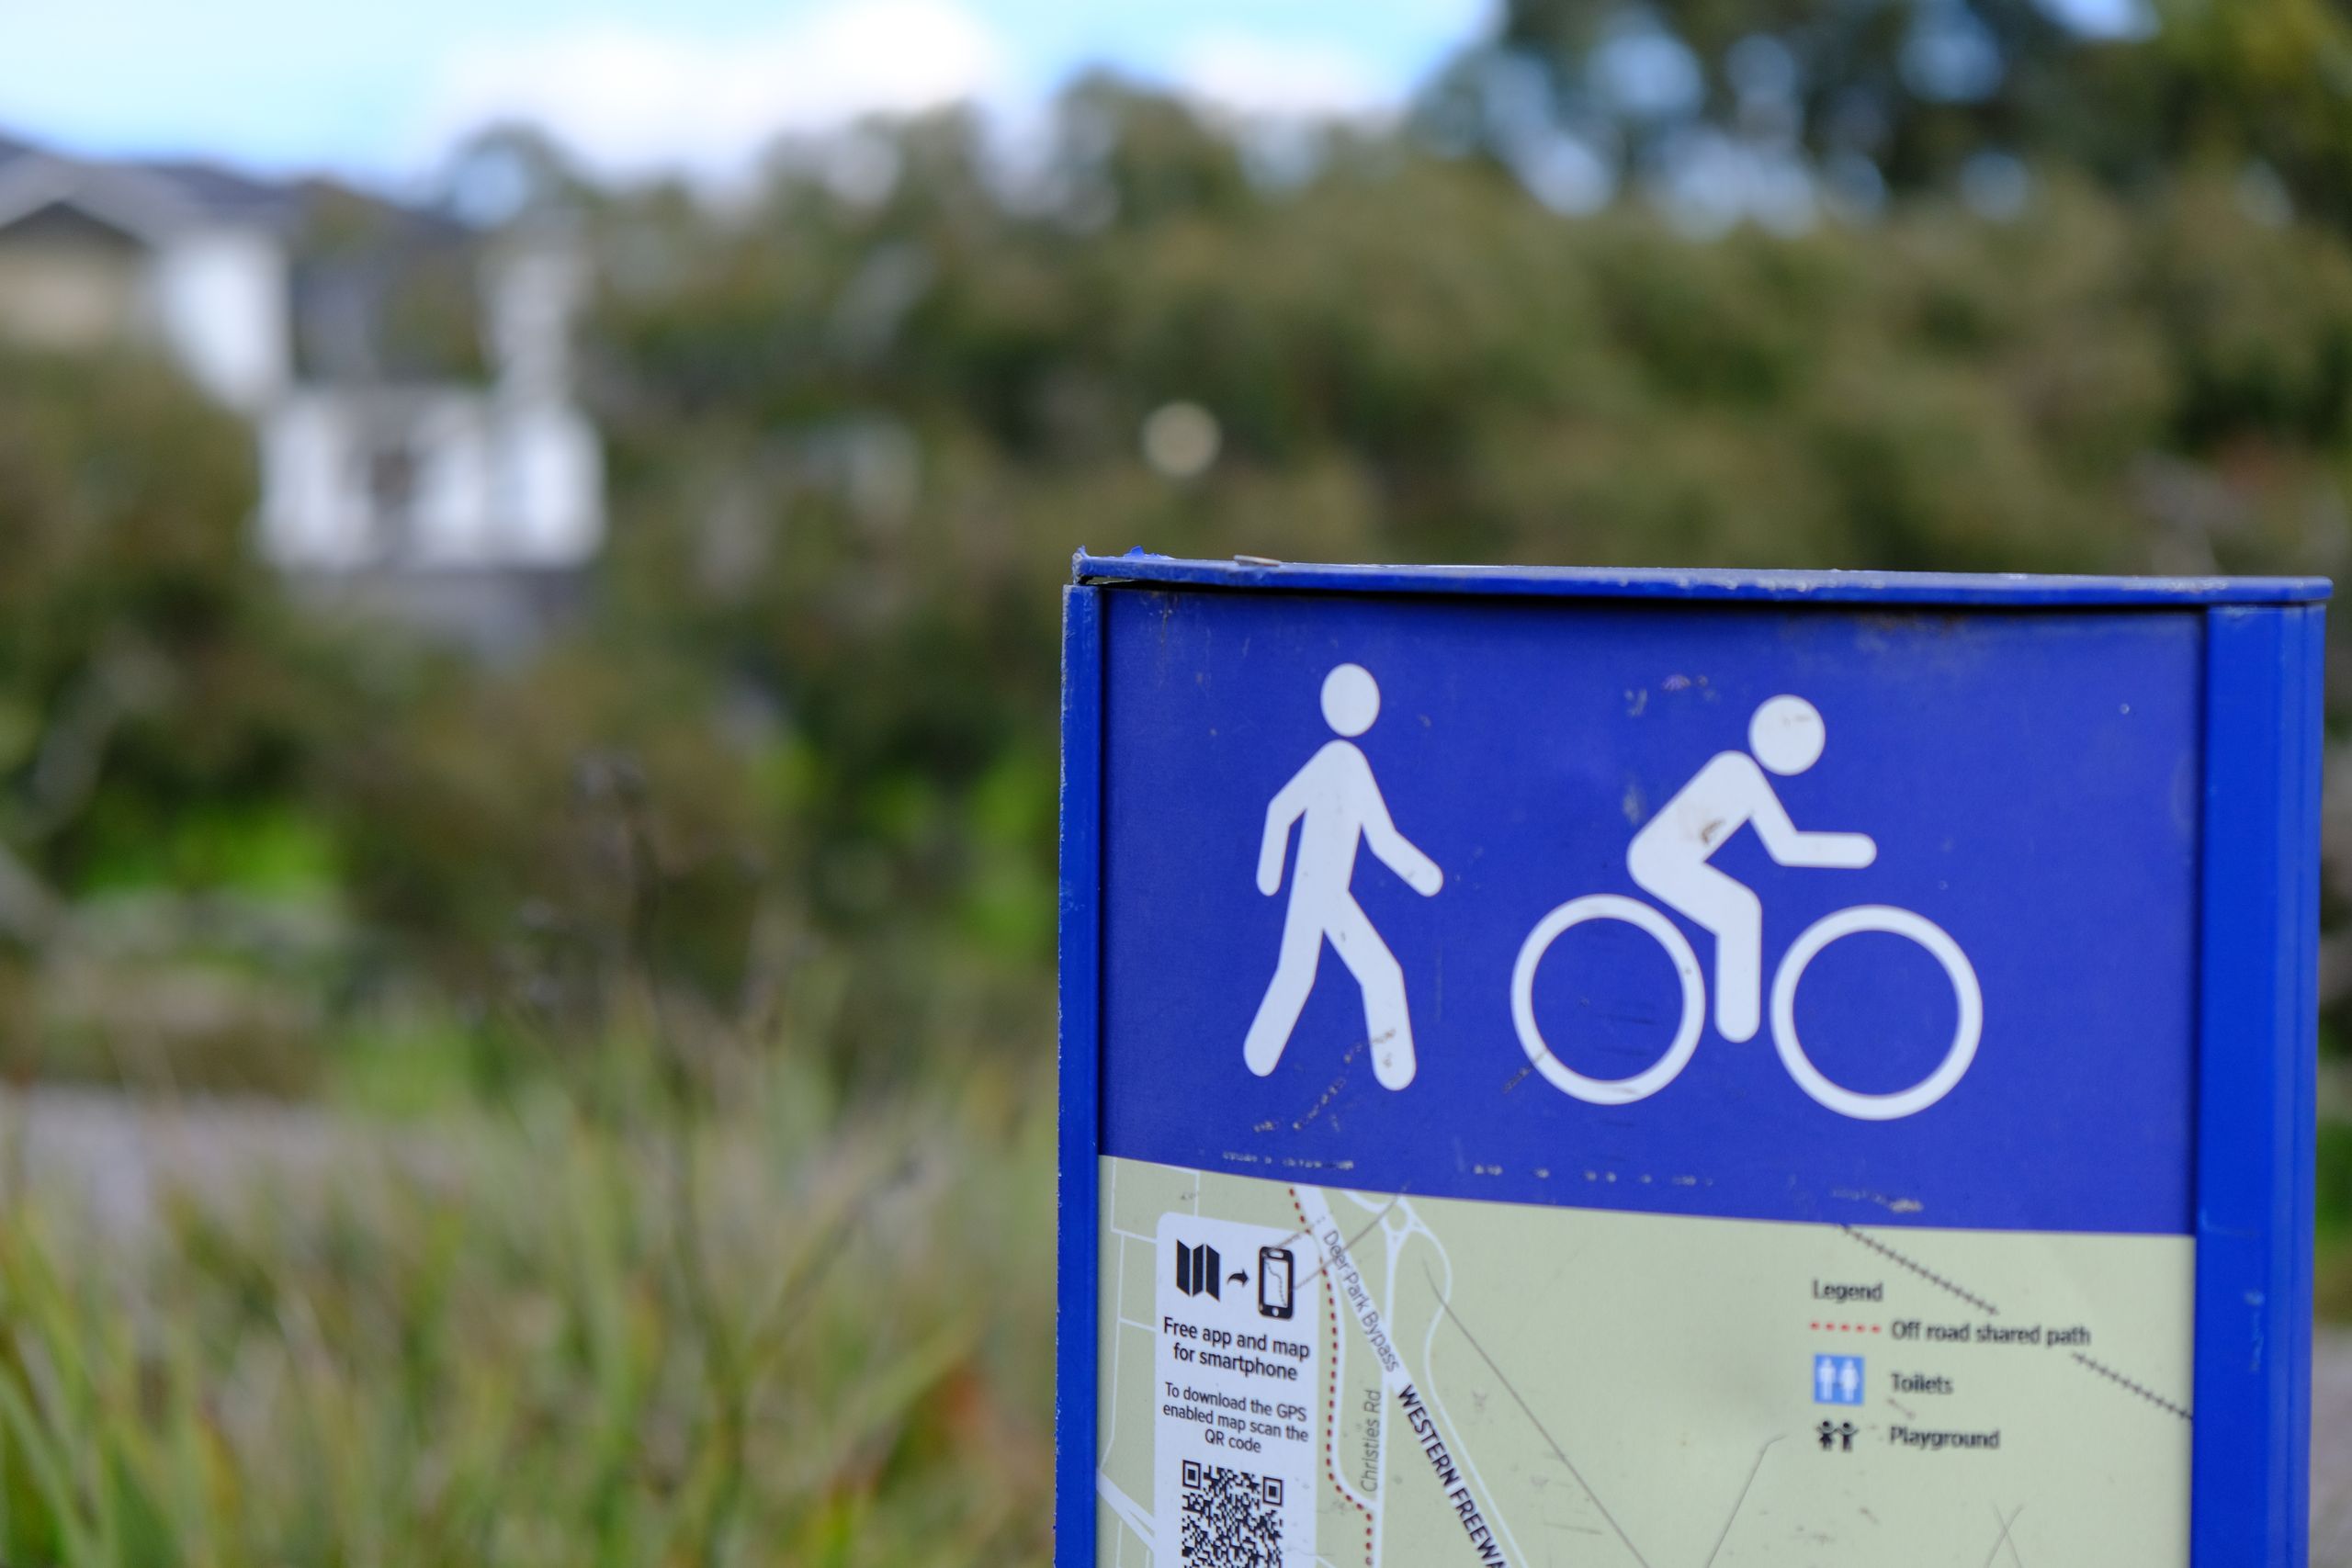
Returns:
(1631,1069)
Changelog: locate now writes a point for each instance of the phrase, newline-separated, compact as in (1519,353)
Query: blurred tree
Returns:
(162,880)
(858,424)
(2267,80)
(859,415)
(139,637)
(1723,102)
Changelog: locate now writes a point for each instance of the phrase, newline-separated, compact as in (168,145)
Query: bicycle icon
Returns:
(1668,860)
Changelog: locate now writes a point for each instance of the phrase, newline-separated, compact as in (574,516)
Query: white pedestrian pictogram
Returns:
(1668,857)
(1337,805)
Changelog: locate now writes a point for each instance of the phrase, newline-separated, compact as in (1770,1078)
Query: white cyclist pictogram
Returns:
(1668,860)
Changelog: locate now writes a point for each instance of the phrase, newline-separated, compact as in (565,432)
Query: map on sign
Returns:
(1464,1383)
(1623,1085)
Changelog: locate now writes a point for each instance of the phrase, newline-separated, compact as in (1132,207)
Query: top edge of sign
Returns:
(1921,587)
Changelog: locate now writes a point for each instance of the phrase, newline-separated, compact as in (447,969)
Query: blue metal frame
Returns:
(1075,1288)
(2258,1041)
(2257,1047)
(1954,589)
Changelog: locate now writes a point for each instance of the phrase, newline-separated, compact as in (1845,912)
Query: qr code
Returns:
(1232,1518)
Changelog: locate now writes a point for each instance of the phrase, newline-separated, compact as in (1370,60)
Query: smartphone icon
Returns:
(1274,1265)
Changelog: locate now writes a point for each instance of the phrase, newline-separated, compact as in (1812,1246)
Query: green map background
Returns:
(1635,1389)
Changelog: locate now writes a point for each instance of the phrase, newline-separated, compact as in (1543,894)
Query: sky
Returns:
(381,91)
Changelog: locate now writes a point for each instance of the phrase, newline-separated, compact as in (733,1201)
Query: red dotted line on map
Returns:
(1332,1398)
(1844,1327)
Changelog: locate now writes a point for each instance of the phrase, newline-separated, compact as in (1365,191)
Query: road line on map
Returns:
(1396,1376)
(1437,1399)
(1125,1507)
(1331,1401)
(2003,1539)
(1109,1438)
(1540,1430)
(1350,1244)
(1741,1501)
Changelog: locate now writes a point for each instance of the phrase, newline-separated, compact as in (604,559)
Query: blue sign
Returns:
(1719,900)
(1885,905)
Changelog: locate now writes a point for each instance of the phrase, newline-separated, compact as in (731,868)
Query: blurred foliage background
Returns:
(676,994)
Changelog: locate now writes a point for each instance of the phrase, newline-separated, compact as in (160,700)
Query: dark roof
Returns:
(224,192)
(381,290)
(216,191)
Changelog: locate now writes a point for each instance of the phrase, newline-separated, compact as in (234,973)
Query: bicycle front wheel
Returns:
(1966,1032)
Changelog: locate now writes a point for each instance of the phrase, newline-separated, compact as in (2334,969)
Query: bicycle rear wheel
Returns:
(1633,912)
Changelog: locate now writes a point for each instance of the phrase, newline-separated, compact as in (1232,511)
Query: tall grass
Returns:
(761,1333)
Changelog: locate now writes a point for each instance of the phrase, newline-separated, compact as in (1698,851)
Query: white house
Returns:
(409,378)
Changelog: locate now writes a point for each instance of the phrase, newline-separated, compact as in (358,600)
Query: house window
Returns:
(391,477)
